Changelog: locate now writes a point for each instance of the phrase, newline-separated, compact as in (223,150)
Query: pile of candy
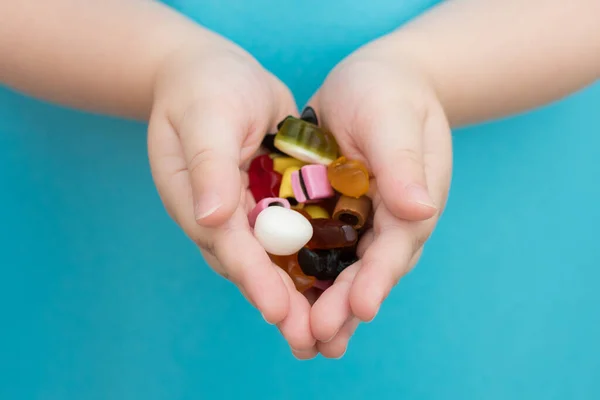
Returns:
(310,203)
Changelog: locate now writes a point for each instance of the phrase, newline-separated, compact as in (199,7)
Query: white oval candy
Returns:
(282,231)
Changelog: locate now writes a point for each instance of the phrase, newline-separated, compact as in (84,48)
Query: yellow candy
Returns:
(280,164)
(316,212)
(285,190)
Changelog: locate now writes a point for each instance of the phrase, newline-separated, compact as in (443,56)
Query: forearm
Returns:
(490,58)
(97,55)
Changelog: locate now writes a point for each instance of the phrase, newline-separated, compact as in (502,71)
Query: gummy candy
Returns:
(325,264)
(306,142)
(331,234)
(349,177)
(263,181)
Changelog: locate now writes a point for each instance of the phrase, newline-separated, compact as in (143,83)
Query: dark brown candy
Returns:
(329,204)
(331,234)
(347,258)
(325,264)
(303,212)
(309,115)
(268,143)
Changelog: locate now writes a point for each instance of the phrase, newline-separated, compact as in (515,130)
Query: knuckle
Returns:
(224,275)
(420,234)
(201,158)
(419,242)
(223,249)
(208,251)
(205,245)
(223,236)
(409,158)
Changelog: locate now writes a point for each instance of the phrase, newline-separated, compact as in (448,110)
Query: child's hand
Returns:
(213,105)
(384,113)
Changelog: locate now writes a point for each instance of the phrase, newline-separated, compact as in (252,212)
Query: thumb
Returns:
(210,142)
(393,145)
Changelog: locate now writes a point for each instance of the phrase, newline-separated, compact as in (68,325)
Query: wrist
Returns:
(415,82)
(185,47)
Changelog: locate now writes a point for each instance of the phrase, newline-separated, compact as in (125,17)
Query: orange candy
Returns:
(290,265)
(349,177)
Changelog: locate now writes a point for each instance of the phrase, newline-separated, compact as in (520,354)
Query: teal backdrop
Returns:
(102,297)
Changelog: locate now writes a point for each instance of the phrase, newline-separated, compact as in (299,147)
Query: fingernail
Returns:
(300,351)
(419,194)
(206,205)
(263,315)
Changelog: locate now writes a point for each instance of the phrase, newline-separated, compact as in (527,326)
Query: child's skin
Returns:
(390,104)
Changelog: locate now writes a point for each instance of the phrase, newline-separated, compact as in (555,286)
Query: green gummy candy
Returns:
(306,142)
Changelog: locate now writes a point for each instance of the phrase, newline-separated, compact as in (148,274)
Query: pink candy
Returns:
(264,203)
(311,183)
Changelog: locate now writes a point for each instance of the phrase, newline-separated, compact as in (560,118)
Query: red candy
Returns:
(264,181)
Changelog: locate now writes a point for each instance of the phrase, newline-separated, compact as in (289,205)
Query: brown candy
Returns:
(353,211)
(325,264)
(304,213)
(331,234)
(329,204)
(290,265)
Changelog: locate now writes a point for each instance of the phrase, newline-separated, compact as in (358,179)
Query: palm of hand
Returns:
(387,118)
(211,110)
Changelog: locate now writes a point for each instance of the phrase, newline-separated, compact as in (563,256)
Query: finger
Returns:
(393,145)
(415,259)
(170,175)
(248,265)
(285,105)
(210,139)
(315,103)
(306,355)
(337,347)
(312,295)
(216,265)
(295,328)
(438,155)
(383,263)
(332,309)
(365,242)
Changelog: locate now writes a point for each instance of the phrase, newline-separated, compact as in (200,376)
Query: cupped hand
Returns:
(213,105)
(383,112)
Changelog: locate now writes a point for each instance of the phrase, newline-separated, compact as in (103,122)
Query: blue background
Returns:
(102,297)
